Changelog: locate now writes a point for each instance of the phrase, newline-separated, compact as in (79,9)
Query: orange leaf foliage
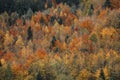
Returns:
(102,14)
(73,44)
(87,24)
(9,56)
(37,27)
(13,32)
(41,53)
(58,44)
(45,18)
(19,21)
(69,19)
(67,30)
(37,17)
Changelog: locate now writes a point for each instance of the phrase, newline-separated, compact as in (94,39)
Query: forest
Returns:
(59,39)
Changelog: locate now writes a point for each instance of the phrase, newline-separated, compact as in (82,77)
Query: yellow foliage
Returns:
(108,32)
(14,67)
(37,27)
(64,46)
(57,57)
(97,74)
(106,73)
(84,75)
(19,42)
(3,62)
(8,39)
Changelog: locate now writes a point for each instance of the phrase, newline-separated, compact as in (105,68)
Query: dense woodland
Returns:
(59,39)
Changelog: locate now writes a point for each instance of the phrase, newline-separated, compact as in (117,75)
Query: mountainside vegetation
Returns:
(59,39)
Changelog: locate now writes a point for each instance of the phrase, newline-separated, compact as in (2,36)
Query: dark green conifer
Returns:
(8,73)
(60,21)
(107,4)
(91,10)
(102,75)
(39,77)
(66,39)
(53,41)
(30,34)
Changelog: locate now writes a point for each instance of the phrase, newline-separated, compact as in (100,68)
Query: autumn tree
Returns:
(8,40)
(19,43)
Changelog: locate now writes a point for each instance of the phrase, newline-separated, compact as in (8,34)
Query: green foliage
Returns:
(60,21)
(67,39)
(81,45)
(53,41)
(91,10)
(93,38)
(29,13)
(64,77)
(9,73)
(6,73)
(39,77)
(30,34)
(107,4)
(102,75)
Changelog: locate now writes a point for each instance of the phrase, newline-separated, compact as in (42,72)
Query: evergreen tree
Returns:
(29,13)
(91,10)
(53,41)
(60,21)
(107,4)
(30,34)
(39,77)
(52,20)
(9,74)
(66,39)
(102,75)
